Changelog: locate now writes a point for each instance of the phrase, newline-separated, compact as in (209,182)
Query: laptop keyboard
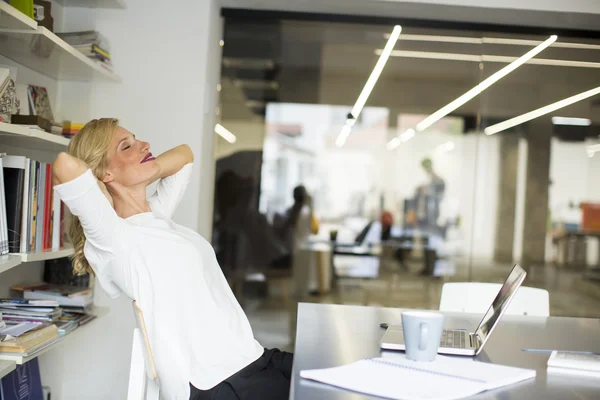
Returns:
(454,339)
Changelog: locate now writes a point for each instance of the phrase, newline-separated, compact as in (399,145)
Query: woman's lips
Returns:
(149,157)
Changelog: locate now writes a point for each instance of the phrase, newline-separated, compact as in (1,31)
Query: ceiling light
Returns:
(385,54)
(442,112)
(571,121)
(368,88)
(341,139)
(444,148)
(540,111)
(593,149)
(225,134)
(478,58)
(395,142)
(488,40)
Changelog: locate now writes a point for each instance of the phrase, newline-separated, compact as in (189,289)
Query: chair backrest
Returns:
(147,351)
(476,297)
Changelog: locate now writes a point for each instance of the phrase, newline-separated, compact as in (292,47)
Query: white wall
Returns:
(168,56)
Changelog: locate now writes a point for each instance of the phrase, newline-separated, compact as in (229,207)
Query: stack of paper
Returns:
(583,364)
(446,378)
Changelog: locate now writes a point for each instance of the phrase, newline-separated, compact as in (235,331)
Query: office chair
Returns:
(143,378)
(476,297)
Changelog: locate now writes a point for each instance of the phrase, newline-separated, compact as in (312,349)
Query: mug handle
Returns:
(424,332)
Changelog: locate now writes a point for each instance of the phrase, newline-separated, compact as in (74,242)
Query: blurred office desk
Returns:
(571,248)
(334,335)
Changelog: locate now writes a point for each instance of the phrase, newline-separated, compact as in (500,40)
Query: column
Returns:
(536,192)
(507,192)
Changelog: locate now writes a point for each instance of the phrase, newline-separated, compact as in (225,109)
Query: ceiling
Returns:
(572,14)
(328,63)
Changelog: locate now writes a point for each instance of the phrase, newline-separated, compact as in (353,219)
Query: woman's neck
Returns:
(130,201)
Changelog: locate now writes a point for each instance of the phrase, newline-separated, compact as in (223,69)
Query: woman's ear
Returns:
(108,177)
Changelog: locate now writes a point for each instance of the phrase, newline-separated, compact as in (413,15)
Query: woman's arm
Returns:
(67,168)
(170,162)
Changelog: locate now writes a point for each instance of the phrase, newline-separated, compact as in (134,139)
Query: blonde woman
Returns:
(200,337)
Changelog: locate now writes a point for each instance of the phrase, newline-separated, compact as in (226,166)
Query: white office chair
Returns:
(143,379)
(476,297)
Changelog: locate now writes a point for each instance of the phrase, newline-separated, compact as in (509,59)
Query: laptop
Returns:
(461,342)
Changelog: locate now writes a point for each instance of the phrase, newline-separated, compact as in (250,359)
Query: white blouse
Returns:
(197,330)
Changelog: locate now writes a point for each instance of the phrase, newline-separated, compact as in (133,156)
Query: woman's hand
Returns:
(170,162)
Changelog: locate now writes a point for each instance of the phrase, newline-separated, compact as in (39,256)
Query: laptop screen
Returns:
(501,302)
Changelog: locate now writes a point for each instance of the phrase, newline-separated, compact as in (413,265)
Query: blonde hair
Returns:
(91,145)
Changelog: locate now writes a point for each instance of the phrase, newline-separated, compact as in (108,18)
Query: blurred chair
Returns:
(143,378)
(476,297)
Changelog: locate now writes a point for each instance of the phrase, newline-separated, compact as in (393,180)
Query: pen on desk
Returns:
(547,351)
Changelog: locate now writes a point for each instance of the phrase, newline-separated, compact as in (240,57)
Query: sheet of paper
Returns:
(14,331)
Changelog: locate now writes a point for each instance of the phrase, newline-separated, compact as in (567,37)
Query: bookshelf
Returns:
(93,3)
(15,259)
(13,19)
(6,367)
(45,255)
(9,261)
(22,136)
(21,359)
(54,57)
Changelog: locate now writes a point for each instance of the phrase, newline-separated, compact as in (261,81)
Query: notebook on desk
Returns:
(446,378)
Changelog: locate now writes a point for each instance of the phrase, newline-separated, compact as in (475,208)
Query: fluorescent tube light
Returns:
(571,121)
(489,40)
(385,54)
(490,130)
(444,148)
(225,134)
(368,88)
(478,58)
(404,137)
(341,139)
(593,149)
(447,109)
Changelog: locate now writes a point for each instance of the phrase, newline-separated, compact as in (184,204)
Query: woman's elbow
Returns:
(188,153)
(66,168)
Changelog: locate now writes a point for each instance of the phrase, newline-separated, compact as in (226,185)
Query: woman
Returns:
(201,340)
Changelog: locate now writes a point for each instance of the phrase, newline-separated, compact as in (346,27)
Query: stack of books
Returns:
(91,44)
(32,210)
(31,341)
(17,311)
(70,129)
(69,298)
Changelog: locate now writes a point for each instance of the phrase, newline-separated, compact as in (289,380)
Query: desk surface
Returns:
(333,335)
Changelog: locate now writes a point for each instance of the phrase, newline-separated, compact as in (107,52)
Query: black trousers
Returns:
(267,378)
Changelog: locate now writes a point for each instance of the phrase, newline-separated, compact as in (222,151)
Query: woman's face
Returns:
(130,162)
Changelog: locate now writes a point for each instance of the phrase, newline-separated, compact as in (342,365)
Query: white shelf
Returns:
(6,367)
(12,19)
(46,53)
(9,261)
(21,359)
(93,3)
(22,136)
(45,255)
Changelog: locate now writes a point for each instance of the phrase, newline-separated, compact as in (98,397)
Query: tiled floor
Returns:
(570,295)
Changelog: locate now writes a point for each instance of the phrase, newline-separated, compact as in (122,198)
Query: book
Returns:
(14,182)
(571,363)
(39,102)
(24,383)
(30,340)
(25,208)
(32,121)
(4,247)
(446,378)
